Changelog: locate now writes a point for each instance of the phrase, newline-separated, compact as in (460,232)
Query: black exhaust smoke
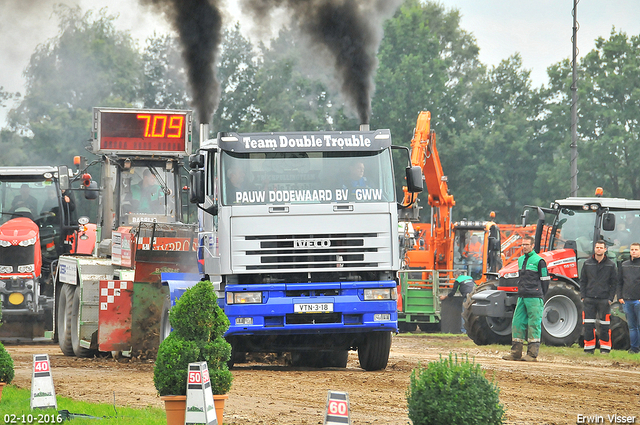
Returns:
(199,27)
(351,30)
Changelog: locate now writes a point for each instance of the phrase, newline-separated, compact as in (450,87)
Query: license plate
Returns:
(313,308)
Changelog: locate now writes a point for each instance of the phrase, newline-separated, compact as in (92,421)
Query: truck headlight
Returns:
(28,242)
(6,269)
(28,268)
(380,294)
(4,243)
(244,297)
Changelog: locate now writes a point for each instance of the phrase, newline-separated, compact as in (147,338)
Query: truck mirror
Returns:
(91,191)
(524,215)
(63,177)
(196,160)
(196,190)
(608,222)
(414,179)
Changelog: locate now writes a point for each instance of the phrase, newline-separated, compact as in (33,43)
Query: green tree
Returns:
(498,156)
(294,90)
(608,127)
(237,76)
(88,64)
(427,62)
(164,83)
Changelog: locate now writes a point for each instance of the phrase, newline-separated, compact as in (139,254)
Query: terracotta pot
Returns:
(2,384)
(218,402)
(175,406)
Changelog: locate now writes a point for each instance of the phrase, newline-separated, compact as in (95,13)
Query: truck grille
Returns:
(318,251)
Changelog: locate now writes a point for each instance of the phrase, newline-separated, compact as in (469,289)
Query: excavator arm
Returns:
(437,241)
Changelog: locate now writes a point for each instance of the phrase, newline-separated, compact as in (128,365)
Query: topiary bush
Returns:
(198,325)
(453,392)
(6,366)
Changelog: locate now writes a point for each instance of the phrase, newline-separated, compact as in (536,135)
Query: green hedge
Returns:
(453,392)
(198,325)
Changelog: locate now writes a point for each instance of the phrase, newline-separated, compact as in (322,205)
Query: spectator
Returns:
(527,317)
(629,295)
(597,289)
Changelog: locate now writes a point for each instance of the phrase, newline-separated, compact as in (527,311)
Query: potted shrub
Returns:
(198,325)
(6,365)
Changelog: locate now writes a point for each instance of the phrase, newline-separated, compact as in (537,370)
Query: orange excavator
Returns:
(434,250)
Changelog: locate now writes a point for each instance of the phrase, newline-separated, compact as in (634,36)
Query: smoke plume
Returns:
(199,27)
(350,30)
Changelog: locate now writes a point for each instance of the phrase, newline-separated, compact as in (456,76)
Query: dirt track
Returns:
(552,391)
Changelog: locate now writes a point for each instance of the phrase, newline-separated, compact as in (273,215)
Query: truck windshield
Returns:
(575,228)
(31,199)
(306,177)
(467,250)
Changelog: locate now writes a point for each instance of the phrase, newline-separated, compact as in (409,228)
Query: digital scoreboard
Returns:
(142,131)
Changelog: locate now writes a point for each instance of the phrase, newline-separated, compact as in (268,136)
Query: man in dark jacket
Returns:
(533,284)
(629,295)
(597,289)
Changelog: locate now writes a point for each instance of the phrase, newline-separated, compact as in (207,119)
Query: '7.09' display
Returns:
(142,130)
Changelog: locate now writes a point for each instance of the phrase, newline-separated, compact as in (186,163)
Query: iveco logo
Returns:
(311,243)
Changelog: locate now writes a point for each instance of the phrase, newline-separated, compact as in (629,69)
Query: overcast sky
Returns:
(539,30)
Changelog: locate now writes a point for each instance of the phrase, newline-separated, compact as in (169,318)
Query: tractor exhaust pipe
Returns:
(364,127)
(204,132)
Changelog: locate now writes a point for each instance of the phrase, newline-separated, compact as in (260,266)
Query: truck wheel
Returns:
(63,319)
(485,330)
(305,359)
(165,325)
(374,352)
(562,316)
(619,329)
(78,350)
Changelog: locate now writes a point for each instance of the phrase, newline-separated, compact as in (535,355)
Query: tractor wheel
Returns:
(165,325)
(619,329)
(484,330)
(78,350)
(562,316)
(63,319)
(374,352)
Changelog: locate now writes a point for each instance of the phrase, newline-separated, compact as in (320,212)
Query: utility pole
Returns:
(574,105)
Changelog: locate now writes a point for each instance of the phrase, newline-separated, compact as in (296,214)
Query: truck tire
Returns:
(78,350)
(485,330)
(374,352)
(620,339)
(63,319)
(562,316)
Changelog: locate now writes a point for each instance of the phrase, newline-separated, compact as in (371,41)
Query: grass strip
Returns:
(15,409)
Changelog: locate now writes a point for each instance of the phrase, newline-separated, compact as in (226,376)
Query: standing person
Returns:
(527,318)
(629,295)
(466,284)
(597,289)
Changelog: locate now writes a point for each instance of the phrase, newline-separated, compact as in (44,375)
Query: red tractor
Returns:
(36,227)
(565,235)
